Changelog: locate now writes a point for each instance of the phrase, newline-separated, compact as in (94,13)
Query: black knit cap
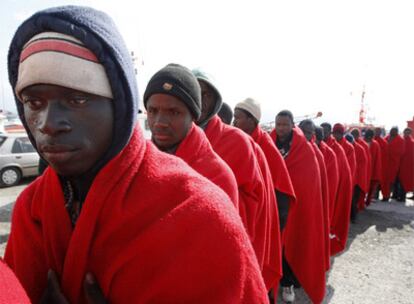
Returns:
(178,81)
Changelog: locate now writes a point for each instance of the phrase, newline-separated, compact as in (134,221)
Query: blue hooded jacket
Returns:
(99,34)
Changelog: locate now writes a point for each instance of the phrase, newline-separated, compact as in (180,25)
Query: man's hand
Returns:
(53,294)
(92,290)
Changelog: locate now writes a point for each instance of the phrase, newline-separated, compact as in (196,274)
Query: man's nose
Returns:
(161,120)
(54,119)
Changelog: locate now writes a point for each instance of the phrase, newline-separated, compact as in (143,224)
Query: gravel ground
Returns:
(377,266)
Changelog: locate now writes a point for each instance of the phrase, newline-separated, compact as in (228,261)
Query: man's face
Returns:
(242,121)
(407,132)
(283,126)
(338,135)
(326,132)
(378,132)
(355,134)
(169,120)
(308,130)
(72,129)
(208,99)
(394,132)
(368,137)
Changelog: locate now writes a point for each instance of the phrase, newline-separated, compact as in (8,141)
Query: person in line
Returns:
(111,209)
(396,148)
(384,160)
(304,253)
(338,133)
(308,128)
(331,169)
(247,116)
(257,202)
(376,164)
(343,199)
(225,114)
(406,173)
(173,102)
(361,183)
(358,140)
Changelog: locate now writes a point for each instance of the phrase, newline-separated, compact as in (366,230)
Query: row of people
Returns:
(206,213)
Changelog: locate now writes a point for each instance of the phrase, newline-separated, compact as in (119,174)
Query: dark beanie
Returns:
(178,81)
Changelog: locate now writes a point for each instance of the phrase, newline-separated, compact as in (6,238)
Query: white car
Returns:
(18,158)
(143,123)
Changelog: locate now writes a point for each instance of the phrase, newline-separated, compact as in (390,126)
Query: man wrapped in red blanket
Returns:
(112,210)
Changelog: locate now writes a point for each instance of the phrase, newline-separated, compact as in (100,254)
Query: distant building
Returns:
(410,123)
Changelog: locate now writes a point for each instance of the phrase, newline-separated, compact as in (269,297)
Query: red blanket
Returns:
(197,152)
(332,173)
(151,230)
(350,156)
(361,180)
(325,201)
(304,245)
(280,174)
(256,206)
(10,289)
(270,240)
(406,174)
(396,148)
(384,162)
(342,209)
(361,168)
(376,162)
(364,145)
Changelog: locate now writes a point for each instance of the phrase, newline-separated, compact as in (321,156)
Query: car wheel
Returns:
(10,176)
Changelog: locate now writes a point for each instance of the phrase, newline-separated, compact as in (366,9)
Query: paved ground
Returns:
(377,267)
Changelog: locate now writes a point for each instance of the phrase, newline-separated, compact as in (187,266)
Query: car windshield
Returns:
(2,140)
(22,145)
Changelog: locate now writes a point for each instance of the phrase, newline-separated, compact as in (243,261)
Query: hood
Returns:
(201,75)
(99,34)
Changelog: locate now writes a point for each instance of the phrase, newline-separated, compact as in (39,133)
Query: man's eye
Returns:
(33,103)
(78,101)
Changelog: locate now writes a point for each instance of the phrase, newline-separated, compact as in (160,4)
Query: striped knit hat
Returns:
(59,59)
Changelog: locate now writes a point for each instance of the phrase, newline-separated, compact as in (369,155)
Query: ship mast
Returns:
(362,113)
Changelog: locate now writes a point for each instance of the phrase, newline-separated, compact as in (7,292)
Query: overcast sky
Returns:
(306,56)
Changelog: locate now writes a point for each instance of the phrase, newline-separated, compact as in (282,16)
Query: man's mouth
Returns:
(161,136)
(57,153)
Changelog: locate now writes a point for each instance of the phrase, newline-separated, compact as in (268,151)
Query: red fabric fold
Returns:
(376,161)
(350,156)
(406,174)
(362,172)
(197,152)
(364,145)
(325,201)
(362,167)
(376,170)
(333,175)
(384,162)
(11,291)
(304,243)
(257,204)
(342,208)
(150,227)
